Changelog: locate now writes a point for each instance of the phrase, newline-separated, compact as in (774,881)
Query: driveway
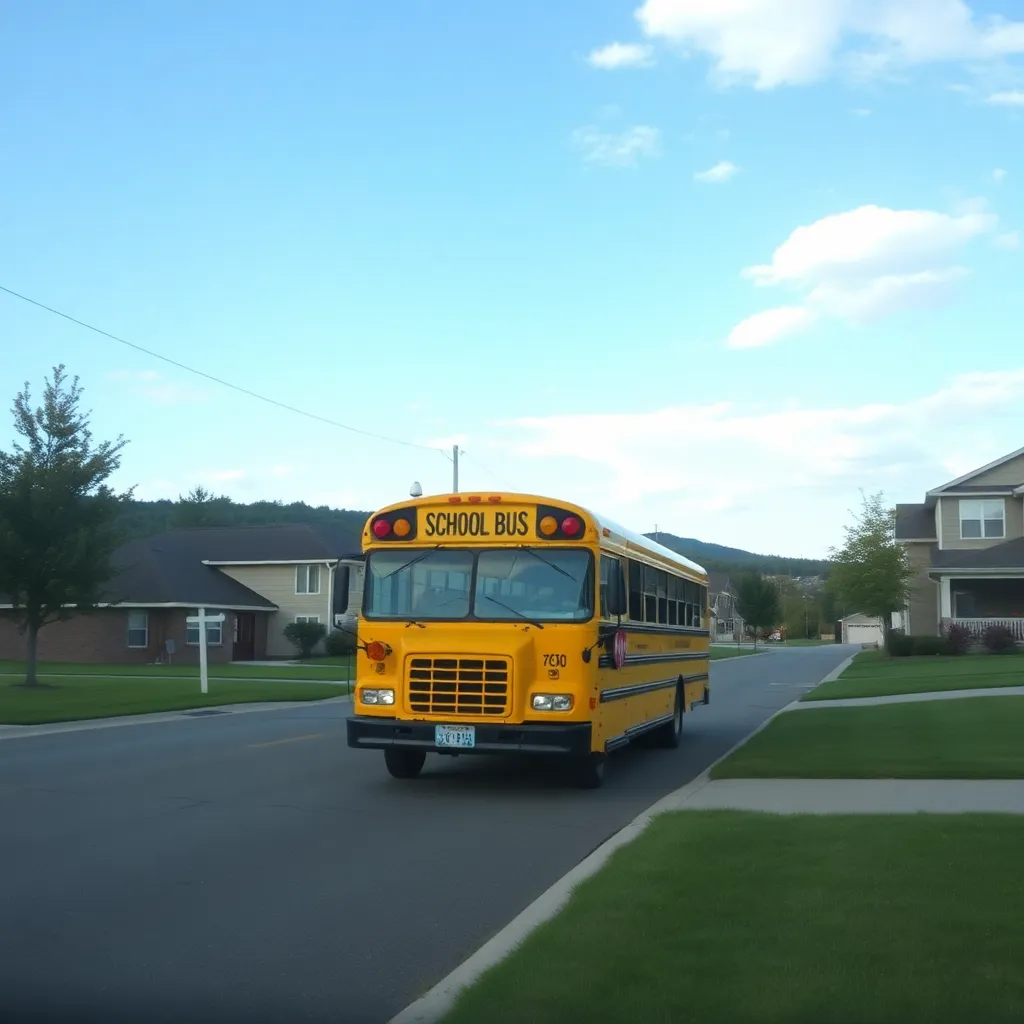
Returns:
(252,867)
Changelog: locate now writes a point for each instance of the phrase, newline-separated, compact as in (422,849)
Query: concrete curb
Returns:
(17,732)
(433,1005)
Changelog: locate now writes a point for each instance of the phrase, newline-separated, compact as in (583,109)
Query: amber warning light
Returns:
(396,526)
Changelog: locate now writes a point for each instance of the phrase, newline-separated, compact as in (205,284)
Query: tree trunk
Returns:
(33,646)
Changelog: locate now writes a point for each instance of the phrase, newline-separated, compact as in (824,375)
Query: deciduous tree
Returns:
(870,572)
(57,511)
(757,601)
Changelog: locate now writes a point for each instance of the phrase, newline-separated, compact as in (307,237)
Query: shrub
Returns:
(304,636)
(898,644)
(998,639)
(340,642)
(958,638)
(930,645)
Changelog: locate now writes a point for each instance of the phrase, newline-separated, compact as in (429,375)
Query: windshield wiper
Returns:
(514,611)
(541,558)
(410,563)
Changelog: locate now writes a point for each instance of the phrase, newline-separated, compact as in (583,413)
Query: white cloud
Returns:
(722,171)
(1008,240)
(872,261)
(999,174)
(224,475)
(735,474)
(1007,99)
(617,149)
(621,55)
(771,43)
(770,326)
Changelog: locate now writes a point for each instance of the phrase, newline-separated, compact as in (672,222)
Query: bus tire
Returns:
(404,764)
(590,771)
(668,736)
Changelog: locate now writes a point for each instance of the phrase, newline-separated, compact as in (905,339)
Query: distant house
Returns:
(726,622)
(862,629)
(261,577)
(966,544)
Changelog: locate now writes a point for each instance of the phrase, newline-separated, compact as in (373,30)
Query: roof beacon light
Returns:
(381,528)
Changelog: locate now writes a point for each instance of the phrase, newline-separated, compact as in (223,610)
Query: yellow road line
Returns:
(289,739)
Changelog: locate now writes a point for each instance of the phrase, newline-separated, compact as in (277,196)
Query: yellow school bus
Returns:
(512,623)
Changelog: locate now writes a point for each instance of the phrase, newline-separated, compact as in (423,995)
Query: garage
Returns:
(862,629)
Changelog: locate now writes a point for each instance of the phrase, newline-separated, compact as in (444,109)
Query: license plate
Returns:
(455,736)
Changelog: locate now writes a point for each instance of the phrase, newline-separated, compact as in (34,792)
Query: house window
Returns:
(982,519)
(307,579)
(307,618)
(138,629)
(214,632)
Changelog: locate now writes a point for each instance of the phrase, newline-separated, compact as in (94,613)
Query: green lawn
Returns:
(71,698)
(805,643)
(717,653)
(733,918)
(330,669)
(968,738)
(874,674)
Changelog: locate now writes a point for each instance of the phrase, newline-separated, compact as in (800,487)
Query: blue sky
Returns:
(482,225)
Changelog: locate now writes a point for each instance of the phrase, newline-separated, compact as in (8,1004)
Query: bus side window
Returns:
(636,591)
(609,566)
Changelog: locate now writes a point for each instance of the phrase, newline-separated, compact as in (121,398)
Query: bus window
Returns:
(514,583)
(636,591)
(609,566)
(430,585)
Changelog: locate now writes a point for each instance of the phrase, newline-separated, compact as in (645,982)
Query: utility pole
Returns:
(455,469)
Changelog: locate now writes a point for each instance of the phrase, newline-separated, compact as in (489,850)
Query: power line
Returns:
(219,380)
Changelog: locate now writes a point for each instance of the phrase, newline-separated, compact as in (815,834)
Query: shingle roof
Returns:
(915,522)
(289,542)
(1008,555)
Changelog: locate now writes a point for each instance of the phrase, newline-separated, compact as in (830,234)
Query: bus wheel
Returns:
(668,736)
(590,771)
(404,764)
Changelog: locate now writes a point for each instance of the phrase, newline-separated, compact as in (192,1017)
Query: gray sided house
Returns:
(966,544)
(260,577)
(726,622)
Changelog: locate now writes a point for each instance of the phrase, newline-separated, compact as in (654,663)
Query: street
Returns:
(252,867)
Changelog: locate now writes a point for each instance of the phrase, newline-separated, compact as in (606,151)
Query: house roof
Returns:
(915,522)
(292,542)
(1008,555)
(168,569)
(718,582)
(960,480)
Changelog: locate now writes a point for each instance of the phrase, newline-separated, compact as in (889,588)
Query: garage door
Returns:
(863,633)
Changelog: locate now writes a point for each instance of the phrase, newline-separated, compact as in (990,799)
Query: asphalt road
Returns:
(252,867)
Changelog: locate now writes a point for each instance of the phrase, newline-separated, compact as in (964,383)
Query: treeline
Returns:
(202,508)
(720,558)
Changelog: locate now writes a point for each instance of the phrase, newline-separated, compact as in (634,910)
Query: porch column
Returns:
(945,599)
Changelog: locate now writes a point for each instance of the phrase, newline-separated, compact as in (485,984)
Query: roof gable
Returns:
(974,473)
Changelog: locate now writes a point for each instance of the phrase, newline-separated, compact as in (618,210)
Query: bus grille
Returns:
(459,686)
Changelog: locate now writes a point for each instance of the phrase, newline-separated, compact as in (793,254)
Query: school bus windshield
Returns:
(500,585)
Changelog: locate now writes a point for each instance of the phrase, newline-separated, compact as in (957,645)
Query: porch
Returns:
(979,603)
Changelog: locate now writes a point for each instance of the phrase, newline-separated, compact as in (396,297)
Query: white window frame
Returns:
(302,575)
(308,618)
(216,628)
(144,629)
(980,511)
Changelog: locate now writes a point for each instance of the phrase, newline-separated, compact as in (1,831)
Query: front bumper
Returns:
(373,733)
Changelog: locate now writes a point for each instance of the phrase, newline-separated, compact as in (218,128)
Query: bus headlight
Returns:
(377,696)
(552,702)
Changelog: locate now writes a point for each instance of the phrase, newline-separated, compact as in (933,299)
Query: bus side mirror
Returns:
(615,598)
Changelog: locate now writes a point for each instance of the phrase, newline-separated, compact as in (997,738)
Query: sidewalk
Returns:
(854,796)
(906,698)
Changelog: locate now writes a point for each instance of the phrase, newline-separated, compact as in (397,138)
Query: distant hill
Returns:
(146,518)
(726,559)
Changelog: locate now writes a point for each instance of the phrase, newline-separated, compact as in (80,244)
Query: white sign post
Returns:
(201,620)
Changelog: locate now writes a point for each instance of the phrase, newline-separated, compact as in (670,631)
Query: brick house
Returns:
(261,577)
(966,543)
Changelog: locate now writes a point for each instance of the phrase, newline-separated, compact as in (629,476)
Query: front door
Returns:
(245,637)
